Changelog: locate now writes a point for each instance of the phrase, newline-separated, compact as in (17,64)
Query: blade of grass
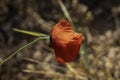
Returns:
(85,61)
(25,46)
(65,11)
(29,32)
(84,57)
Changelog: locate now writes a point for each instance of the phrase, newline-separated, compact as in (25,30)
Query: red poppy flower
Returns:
(65,42)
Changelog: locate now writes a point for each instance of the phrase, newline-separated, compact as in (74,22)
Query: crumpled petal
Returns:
(65,41)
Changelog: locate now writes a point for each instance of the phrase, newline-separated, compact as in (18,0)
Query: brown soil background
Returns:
(99,21)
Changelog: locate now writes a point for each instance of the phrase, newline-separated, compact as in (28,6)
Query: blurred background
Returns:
(98,20)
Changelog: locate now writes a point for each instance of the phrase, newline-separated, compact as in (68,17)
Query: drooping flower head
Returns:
(65,41)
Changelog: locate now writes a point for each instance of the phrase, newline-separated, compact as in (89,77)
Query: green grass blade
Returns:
(29,32)
(25,46)
(65,11)
(84,56)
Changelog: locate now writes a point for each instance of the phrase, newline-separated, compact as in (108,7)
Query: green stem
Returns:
(29,32)
(13,54)
(65,12)
(84,57)
(85,61)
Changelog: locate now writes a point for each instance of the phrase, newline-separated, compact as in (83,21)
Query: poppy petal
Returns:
(65,42)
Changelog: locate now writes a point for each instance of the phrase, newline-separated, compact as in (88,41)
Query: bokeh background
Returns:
(98,20)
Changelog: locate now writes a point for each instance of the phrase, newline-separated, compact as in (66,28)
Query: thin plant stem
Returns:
(29,32)
(84,57)
(25,46)
(65,12)
(85,60)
